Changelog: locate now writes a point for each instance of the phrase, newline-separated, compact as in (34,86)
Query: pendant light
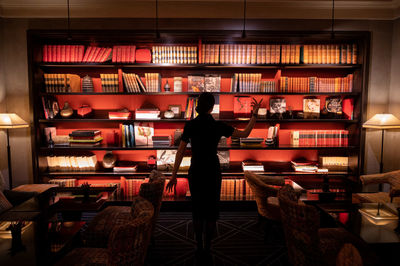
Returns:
(333,20)
(244,19)
(69,37)
(157,31)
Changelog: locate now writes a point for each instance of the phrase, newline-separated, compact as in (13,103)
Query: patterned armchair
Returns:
(308,244)
(391,178)
(127,243)
(265,189)
(99,229)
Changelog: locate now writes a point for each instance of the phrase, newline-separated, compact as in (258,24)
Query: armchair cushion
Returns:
(4,203)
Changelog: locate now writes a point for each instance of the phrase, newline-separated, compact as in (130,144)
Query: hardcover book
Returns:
(212,83)
(196,83)
(144,132)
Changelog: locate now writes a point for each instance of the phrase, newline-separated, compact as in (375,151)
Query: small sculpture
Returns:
(169,114)
(66,111)
(167,87)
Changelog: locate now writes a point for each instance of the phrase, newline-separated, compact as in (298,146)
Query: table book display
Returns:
(131,94)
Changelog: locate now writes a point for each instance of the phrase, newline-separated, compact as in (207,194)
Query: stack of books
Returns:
(85,138)
(63,182)
(303,165)
(163,141)
(125,167)
(147,113)
(252,166)
(250,142)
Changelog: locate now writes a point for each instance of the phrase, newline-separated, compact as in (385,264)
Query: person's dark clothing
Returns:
(204,177)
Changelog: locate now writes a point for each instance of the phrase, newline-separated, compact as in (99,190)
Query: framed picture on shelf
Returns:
(277,105)
(176,109)
(196,83)
(311,107)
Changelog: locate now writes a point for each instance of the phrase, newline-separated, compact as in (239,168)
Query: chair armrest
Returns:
(374,179)
(18,197)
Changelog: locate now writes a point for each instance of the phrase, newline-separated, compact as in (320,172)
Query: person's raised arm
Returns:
(178,159)
(246,132)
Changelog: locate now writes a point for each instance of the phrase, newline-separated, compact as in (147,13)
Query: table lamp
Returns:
(10,121)
(382,121)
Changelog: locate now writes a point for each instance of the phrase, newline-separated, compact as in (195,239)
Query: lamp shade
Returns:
(382,121)
(12,121)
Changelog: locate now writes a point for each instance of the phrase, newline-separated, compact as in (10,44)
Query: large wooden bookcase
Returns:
(276,158)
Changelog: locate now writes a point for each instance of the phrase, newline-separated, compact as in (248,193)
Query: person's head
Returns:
(205,103)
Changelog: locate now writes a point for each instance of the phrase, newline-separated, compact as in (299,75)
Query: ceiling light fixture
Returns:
(244,19)
(157,31)
(333,20)
(69,37)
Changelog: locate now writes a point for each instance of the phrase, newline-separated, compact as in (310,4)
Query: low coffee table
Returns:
(362,220)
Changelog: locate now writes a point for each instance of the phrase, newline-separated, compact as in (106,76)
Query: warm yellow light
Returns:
(382,121)
(12,121)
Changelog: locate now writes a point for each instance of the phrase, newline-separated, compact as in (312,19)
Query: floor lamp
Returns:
(11,121)
(382,122)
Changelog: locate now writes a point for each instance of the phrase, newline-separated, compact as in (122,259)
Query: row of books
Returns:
(133,83)
(95,54)
(127,135)
(71,163)
(109,82)
(174,54)
(246,82)
(84,137)
(69,182)
(232,189)
(63,53)
(153,82)
(332,138)
(62,82)
(330,54)
(316,84)
(210,54)
(240,54)
(123,54)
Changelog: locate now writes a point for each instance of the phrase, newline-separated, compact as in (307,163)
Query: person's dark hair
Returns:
(205,103)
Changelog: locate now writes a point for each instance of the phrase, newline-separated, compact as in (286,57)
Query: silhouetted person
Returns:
(204,177)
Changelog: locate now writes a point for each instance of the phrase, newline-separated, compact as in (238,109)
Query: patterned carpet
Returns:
(239,240)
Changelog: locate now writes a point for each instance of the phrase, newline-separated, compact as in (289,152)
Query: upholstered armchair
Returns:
(127,243)
(99,229)
(307,243)
(265,189)
(391,178)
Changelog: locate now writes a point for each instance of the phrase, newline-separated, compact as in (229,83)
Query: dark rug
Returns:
(240,240)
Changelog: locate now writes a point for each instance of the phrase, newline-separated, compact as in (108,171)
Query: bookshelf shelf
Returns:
(228,147)
(196,93)
(105,120)
(199,66)
(349,77)
(235,169)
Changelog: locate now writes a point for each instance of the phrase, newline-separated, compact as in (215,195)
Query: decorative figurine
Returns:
(66,111)
(84,111)
(167,88)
